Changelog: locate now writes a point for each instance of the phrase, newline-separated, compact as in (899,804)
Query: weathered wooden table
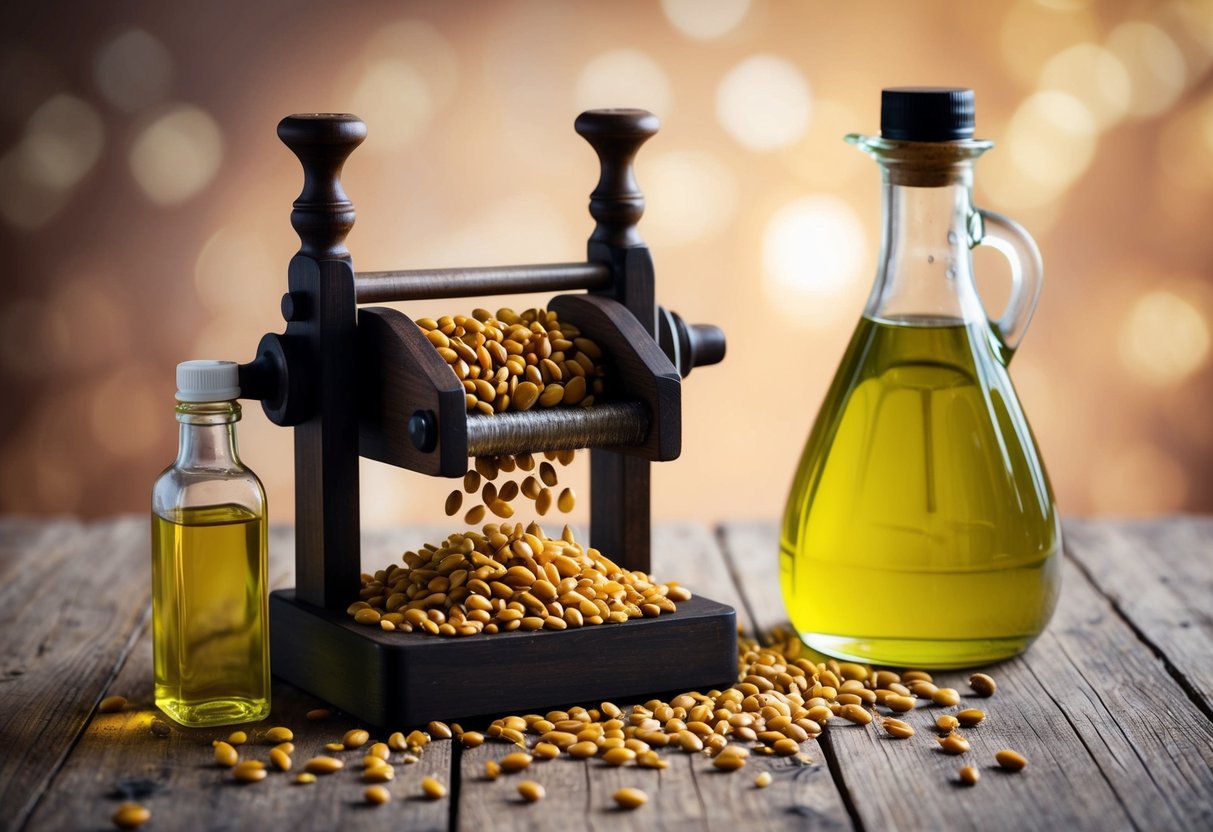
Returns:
(1113,707)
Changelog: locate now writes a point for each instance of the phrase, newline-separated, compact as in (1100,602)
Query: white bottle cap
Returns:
(208,381)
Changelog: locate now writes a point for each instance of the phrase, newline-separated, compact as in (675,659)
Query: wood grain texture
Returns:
(1159,576)
(1112,741)
(71,605)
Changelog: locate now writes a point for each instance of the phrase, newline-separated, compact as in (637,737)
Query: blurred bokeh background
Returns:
(144,202)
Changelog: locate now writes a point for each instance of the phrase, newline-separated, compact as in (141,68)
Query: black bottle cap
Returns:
(926,114)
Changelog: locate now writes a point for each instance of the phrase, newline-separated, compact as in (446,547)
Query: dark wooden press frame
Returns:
(364,381)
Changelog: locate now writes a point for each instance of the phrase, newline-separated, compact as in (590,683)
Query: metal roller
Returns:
(557,429)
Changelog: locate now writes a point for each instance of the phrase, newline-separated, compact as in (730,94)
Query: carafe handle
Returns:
(989,228)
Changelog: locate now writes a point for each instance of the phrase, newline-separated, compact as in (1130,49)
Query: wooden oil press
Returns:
(355,380)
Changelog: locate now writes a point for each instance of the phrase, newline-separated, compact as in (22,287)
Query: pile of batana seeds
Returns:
(511,576)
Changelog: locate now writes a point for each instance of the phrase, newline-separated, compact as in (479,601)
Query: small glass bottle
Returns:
(209,618)
(920,529)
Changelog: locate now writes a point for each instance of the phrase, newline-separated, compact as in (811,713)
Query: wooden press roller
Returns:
(364,381)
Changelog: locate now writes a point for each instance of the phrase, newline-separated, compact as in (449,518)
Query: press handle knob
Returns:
(323,215)
(689,345)
(617,202)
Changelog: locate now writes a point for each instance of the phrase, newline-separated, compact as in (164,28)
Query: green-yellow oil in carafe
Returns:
(920,529)
(208,613)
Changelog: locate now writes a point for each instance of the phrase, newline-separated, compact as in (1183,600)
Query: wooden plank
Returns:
(1112,741)
(690,793)
(69,612)
(141,755)
(1159,576)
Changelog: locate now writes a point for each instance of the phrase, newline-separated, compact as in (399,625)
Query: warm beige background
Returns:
(144,201)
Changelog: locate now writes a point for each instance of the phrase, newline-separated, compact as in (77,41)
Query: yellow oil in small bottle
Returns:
(920,529)
(209,614)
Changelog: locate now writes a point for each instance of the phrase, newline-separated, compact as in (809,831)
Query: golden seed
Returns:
(472,739)
(856,714)
(546,751)
(367,616)
(237,738)
(762,780)
(566,501)
(130,815)
(916,676)
(1010,760)
(531,791)
(453,502)
(381,773)
(334,746)
(225,754)
(982,684)
(630,798)
(947,723)
(970,717)
(377,795)
(619,756)
(900,704)
(381,750)
(969,775)
(323,765)
(486,466)
(280,759)
(279,734)
(543,501)
(474,515)
(471,481)
(525,395)
(112,705)
(786,747)
(285,747)
(355,738)
(305,777)
(583,749)
(650,759)
(946,697)
(953,744)
(566,456)
(897,728)
(432,789)
(317,714)
(517,761)
(728,762)
(250,771)
(492,769)
(439,730)
(417,739)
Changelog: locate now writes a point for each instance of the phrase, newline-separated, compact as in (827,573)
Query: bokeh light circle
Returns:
(764,103)
(176,156)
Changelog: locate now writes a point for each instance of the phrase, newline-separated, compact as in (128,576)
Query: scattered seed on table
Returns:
(517,761)
(531,791)
(250,771)
(303,778)
(112,705)
(323,765)
(1010,760)
(970,717)
(896,728)
(947,723)
(130,815)
(225,754)
(630,798)
(237,738)
(982,684)
(280,759)
(279,734)
(954,744)
(316,714)
(355,738)
(377,795)
(762,780)
(969,775)
(946,697)
(432,789)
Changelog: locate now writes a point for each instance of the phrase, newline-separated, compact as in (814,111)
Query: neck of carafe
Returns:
(208,436)
(925,273)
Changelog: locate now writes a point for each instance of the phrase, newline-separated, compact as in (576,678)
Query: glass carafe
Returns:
(920,529)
